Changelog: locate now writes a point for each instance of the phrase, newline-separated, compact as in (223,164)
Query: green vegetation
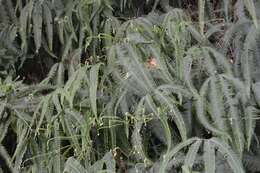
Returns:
(131,86)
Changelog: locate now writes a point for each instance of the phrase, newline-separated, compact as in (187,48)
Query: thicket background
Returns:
(158,86)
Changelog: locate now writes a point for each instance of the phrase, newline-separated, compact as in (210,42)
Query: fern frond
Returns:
(231,157)
(209,157)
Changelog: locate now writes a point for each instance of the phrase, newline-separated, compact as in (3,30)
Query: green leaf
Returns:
(192,153)
(44,110)
(73,166)
(209,157)
(200,110)
(168,156)
(48,20)
(256,89)
(252,11)
(4,154)
(202,16)
(217,104)
(57,145)
(23,26)
(250,124)
(232,159)
(37,25)
(234,118)
(4,128)
(110,162)
(93,77)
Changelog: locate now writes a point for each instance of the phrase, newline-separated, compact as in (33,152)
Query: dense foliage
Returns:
(160,86)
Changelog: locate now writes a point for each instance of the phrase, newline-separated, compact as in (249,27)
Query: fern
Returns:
(129,86)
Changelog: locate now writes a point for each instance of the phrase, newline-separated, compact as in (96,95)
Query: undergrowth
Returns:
(129,86)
